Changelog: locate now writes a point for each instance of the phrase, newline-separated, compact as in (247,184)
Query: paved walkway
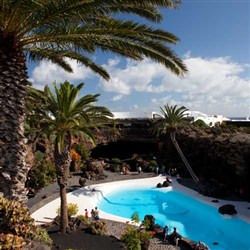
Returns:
(51,192)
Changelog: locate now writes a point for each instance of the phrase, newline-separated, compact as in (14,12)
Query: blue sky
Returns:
(214,44)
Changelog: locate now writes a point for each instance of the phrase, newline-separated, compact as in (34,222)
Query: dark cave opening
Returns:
(124,149)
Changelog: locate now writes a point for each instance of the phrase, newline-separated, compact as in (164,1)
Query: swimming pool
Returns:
(193,219)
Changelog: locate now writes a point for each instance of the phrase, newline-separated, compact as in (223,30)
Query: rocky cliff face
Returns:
(220,155)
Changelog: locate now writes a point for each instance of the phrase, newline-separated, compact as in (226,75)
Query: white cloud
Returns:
(136,76)
(47,72)
(117,98)
(213,85)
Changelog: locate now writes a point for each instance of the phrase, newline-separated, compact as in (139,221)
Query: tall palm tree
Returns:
(61,29)
(62,116)
(170,119)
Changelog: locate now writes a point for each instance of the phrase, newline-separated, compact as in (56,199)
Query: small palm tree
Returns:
(62,116)
(171,118)
(56,30)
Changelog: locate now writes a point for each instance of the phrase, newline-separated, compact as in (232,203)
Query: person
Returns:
(175,236)
(165,231)
(201,246)
(92,214)
(162,170)
(96,214)
(157,170)
(86,213)
(139,169)
(168,180)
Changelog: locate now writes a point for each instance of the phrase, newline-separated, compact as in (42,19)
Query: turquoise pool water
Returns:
(192,218)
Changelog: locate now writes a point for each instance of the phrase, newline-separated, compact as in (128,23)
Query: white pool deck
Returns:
(88,197)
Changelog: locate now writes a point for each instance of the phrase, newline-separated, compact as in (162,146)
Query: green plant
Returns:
(42,174)
(97,227)
(71,208)
(149,222)
(200,123)
(83,150)
(10,241)
(115,161)
(42,235)
(17,227)
(135,218)
(131,238)
(151,166)
(146,223)
(83,218)
(145,236)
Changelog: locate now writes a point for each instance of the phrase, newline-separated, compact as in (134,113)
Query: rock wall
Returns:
(219,155)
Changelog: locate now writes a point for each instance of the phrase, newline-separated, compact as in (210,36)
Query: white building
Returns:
(210,120)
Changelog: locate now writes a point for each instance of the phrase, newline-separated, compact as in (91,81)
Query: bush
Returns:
(42,174)
(200,123)
(115,165)
(149,222)
(97,227)
(17,226)
(82,150)
(115,161)
(135,238)
(135,218)
(71,208)
(42,235)
(131,238)
(83,218)
(151,166)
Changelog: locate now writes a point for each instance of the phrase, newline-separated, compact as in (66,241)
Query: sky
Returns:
(215,46)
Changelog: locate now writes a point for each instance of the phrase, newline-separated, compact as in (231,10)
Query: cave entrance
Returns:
(125,149)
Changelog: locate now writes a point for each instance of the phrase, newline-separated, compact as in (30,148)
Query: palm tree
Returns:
(171,118)
(62,116)
(56,30)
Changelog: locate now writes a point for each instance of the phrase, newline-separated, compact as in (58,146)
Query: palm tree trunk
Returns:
(13,82)
(62,161)
(62,182)
(185,161)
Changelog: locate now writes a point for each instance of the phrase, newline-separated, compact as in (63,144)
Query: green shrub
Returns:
(42,174)
(83,218)
(71,208)
(131,238)
(82,150)
(145,236)
(135,218)
(134,237)
(10,241)
(151,166)
(97,227)
(42,235)
(200,123)
(17,226)
(115,161)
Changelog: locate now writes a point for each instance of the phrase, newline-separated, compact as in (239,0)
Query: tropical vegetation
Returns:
(17,228)
(168,122)
(58,30)
(63,116)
